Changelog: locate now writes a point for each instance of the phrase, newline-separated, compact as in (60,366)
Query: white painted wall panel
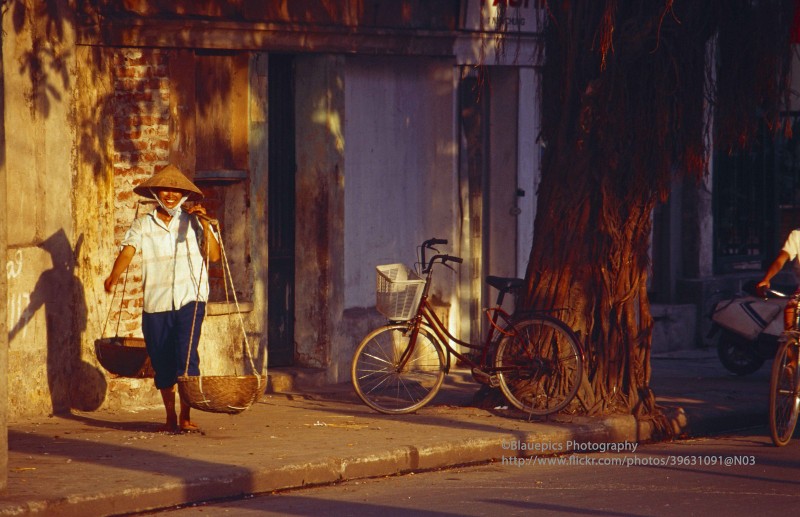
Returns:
(400,164)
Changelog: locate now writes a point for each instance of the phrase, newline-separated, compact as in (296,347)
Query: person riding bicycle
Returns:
(783,394)
(789,252)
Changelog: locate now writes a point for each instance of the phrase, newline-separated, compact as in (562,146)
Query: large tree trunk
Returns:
(623,112)
(589,262)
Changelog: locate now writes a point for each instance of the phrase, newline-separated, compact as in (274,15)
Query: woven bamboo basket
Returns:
(221,393)
(229,394)
(124,356)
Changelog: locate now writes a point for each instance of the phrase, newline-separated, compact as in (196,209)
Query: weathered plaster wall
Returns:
(258,157)
(400,181)
(528,162)
(375,177)
(319,247)
(3,284)
(502,178)
(400,154)
(47,307)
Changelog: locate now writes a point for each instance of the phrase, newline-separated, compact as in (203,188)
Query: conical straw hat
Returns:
(169,177)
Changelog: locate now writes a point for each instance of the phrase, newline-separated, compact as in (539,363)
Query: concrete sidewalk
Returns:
(107,463)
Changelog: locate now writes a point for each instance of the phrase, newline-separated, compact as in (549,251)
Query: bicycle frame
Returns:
(426,315)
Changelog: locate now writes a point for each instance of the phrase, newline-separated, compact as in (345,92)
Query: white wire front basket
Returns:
(398,291)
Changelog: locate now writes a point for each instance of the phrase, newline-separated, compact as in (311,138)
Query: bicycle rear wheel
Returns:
(539,365)
(379,380)
(784,399)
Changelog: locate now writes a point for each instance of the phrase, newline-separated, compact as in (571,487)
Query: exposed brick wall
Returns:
(141,147)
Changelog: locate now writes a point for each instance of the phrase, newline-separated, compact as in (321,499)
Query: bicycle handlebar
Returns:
(776,293)
(764,294)
(429,244)
(447,258)
(443,259)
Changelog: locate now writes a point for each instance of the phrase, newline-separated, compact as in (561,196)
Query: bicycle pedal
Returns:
(494,382)
(481,376)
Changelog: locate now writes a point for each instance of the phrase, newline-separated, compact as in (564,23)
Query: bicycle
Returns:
(784,385)
(535,358)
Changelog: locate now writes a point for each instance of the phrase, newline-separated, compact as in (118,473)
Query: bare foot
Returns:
(187,426)
(168,428)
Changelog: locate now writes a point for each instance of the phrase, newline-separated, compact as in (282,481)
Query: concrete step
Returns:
(293,380)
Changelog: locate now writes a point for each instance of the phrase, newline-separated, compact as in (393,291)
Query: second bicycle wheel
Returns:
(784,399)
(539,365)
(386,385)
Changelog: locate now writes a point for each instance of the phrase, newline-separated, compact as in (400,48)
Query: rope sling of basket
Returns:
(206,403)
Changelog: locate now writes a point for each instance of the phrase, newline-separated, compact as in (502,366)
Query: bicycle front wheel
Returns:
(392,377)
(539,365)
(784,400)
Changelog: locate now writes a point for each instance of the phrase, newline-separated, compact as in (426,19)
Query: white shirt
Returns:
(792,247)
(173,270)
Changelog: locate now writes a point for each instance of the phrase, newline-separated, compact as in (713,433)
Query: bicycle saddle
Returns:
(505,284)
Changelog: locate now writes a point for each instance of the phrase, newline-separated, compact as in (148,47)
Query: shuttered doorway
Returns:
(281,211)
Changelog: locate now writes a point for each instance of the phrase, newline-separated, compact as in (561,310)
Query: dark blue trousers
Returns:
(166,335)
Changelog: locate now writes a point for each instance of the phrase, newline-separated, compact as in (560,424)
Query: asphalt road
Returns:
(739,474)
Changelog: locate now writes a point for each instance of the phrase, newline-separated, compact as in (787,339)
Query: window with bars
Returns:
(756,200)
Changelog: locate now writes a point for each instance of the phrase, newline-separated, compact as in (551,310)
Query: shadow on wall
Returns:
(73,383)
